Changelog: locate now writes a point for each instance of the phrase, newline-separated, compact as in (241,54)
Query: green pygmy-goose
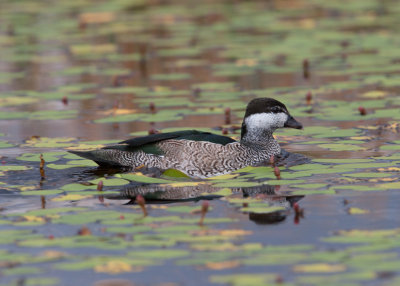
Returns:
(203,154)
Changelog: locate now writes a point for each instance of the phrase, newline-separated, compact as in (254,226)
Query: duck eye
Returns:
(276,109)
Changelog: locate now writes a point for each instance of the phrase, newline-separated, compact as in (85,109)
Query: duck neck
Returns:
(261,139)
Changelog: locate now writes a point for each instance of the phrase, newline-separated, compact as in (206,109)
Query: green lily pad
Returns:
(42,192)
(124,90)
(367,175)
(171,76)
(356,188)
(4,144)
(44,142)
(234,184)
(284,182)
(341,161)
(16,100)
(244,279)
(35,157)
(341,147)
(309,186)
(6,115)
(390,147)
(110,182)
(393,185)
(53,115)
(6,168)
(129,229)
(22,271)
(143,179)
(77,163)
(313,192)
(36,281)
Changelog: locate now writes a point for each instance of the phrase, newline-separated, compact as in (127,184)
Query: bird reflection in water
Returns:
(158,194)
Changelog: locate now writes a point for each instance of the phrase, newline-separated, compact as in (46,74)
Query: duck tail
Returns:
(101,157)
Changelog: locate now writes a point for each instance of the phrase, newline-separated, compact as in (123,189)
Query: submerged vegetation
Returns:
(78,75)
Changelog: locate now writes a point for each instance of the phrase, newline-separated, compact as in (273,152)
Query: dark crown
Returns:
(265,105)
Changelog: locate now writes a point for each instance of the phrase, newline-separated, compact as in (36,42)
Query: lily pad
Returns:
(171,76)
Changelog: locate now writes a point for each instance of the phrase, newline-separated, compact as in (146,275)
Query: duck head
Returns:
(264,116)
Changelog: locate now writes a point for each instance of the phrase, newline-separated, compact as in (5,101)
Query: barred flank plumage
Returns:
(115,157)
(204,159)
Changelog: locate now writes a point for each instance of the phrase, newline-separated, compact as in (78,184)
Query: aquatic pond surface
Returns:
(78,75)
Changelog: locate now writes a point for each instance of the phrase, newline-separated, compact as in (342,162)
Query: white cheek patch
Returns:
(266,120)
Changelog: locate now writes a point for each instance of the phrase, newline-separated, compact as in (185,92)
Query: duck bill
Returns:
(292,123)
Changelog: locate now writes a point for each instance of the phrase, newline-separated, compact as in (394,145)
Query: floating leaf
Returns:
(110,182)
(115,267)
(341,147)
(35,157)
(283,182)
(93,49)
(42,192)
(244,279)
(234,184)
(4,144)
(139,177)
(45,142)
(367,175)
(71,197)
(171,76)
(53,115)
(341,161)
(175,174)
(313,192)
(357,211)
(16,100)
(5,168)
(22,271)
(309,186)
(77,187)
(319,268)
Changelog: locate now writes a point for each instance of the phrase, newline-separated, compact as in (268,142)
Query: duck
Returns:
(201,154)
